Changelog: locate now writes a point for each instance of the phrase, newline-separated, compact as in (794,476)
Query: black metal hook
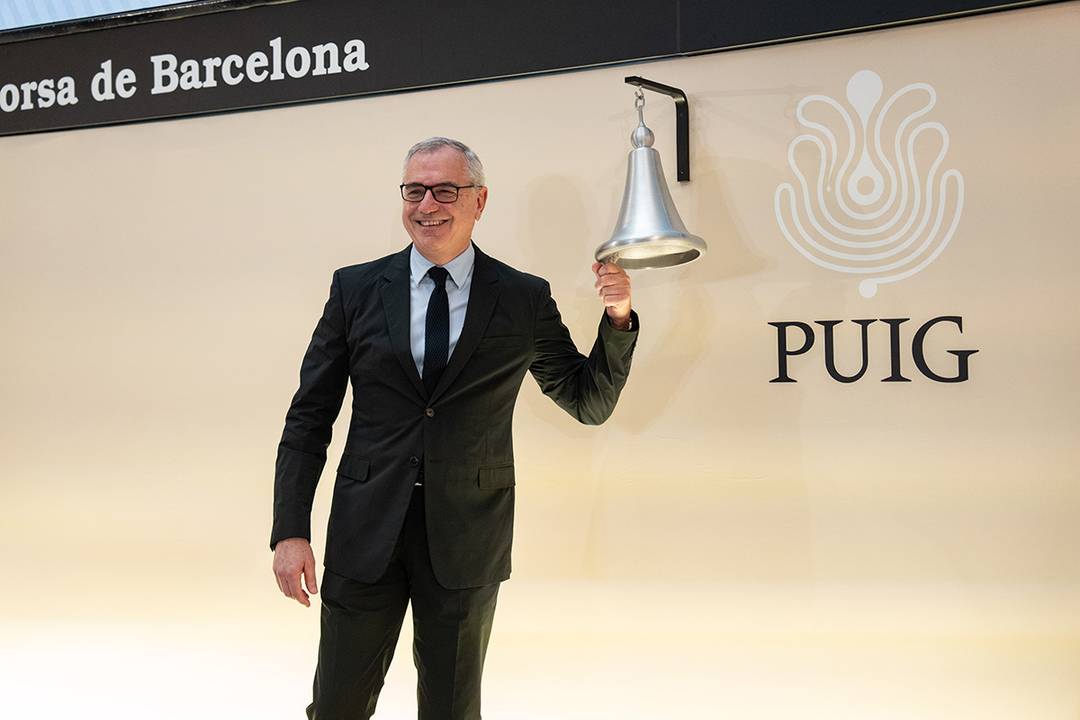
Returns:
(682,121)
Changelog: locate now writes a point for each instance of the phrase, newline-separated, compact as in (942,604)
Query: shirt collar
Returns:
(459,268)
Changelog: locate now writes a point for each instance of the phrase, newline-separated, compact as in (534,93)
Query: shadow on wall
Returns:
(679,304)
(552,226)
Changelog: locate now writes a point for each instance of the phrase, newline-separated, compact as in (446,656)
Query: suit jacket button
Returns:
(414,461)
(429,412)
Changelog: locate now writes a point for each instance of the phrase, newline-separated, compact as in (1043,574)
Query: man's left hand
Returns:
(613,287)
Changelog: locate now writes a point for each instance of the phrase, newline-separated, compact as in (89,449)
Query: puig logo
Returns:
(875,203)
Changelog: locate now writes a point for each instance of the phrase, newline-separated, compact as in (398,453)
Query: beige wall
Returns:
(723,547)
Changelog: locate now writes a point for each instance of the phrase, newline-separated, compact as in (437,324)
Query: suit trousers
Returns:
(360,623)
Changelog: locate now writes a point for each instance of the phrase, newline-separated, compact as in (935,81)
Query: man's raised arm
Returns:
(587,387)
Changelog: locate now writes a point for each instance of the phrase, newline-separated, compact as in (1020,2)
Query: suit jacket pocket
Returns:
(492,477)
(353,467)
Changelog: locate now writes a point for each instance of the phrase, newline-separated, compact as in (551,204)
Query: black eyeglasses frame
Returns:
(432,188)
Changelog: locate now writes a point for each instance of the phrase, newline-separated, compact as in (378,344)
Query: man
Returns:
(436,340)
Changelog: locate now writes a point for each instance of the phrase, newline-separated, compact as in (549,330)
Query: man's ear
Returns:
(481,201)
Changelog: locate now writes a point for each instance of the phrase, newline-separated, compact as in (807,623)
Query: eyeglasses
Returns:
(415,192)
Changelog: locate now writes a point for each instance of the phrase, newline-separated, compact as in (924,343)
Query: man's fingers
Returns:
(609,275)
(613,288)
(610,292)
(291,587)
(296,591)
(612,280)
(604,290)
(309,575)
(283,584)
(610,269)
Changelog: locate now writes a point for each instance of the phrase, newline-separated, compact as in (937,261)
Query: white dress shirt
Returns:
(457,293)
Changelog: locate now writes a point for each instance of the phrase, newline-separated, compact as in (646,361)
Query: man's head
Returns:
(442,230)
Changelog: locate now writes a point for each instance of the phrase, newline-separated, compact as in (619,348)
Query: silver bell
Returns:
(649,232)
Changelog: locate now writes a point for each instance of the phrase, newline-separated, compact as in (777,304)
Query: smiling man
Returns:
(436,340)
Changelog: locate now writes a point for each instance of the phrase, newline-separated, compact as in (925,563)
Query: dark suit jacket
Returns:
(461,434)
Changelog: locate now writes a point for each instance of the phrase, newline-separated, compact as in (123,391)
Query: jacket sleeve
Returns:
(301,454)
(585,387)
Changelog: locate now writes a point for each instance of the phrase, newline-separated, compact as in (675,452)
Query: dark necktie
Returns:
(437,331)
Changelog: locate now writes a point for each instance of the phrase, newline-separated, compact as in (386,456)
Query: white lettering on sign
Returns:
(171,73)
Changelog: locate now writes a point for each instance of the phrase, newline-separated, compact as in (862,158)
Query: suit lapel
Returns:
(395,297)
(483,294)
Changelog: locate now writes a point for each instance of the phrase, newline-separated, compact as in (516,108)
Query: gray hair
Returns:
(472,162)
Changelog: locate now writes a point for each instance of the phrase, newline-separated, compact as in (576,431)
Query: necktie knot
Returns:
(439,275)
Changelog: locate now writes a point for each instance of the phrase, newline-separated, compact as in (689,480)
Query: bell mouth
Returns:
(651,253)
(627,262)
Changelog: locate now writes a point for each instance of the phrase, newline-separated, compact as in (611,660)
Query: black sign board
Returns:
(263,55)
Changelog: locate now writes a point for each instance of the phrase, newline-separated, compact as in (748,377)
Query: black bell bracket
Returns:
(682,122)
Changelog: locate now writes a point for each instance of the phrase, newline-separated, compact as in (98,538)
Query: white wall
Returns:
(723,547)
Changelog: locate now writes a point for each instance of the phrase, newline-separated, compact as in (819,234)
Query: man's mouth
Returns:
(431,223)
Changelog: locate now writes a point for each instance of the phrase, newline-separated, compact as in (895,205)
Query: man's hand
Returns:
(293,558)
(613,287)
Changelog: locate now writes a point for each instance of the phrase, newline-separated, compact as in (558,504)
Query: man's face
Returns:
(441,231)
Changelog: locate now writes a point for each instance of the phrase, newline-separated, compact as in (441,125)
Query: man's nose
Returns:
(428,204)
